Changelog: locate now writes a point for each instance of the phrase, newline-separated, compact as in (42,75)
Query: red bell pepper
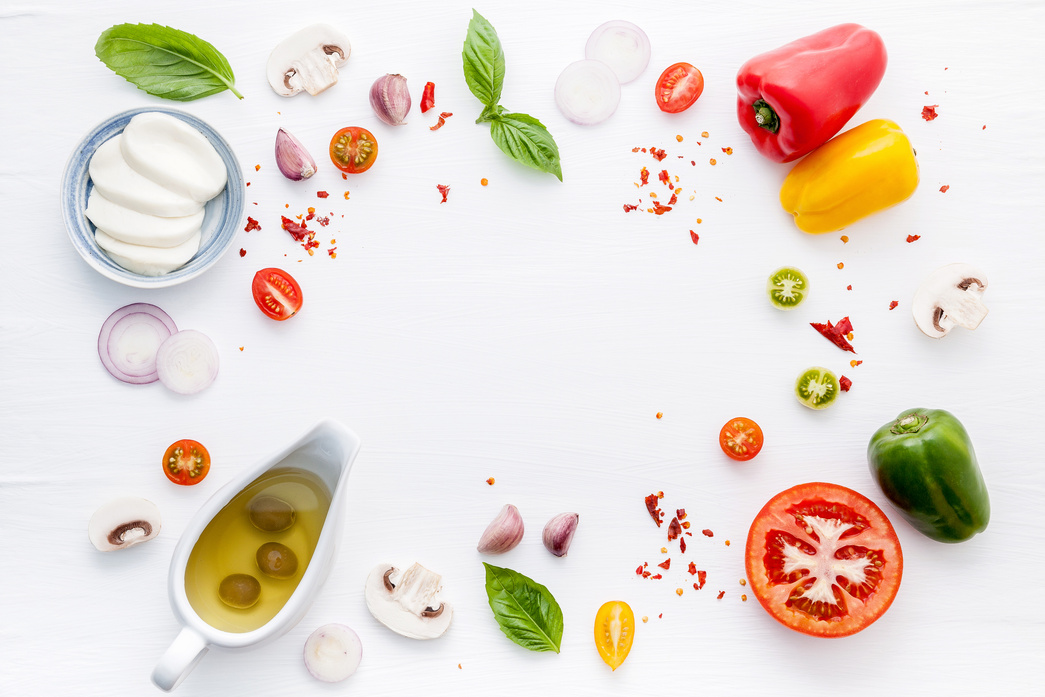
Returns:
(795,98)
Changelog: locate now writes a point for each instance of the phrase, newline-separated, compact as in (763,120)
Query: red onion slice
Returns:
(587,92)
(622,46)
(187,362)
(129,340)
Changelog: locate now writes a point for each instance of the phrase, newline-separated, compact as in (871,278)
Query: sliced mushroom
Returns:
(948,297)
(407,602)
(308,60)
(124,523)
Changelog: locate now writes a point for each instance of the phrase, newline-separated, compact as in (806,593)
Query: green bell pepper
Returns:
(925,465)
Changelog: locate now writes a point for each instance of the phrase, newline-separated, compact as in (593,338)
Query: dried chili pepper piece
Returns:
(444,189)
(659,208)
(251,225)
(694,236)
(844,383)
(929,112)
(428,97)
(643,176)
(682,545)
(664,177)
(702,578)
(707,533)
(628,208)
(913,238)
(943,189)
(298,232)
(658,154)
(835,333)
(442,120)
(654,509)
(674,529)
(666,564)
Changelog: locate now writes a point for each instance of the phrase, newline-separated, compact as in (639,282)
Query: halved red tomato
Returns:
(276,293)
(823,559)
(740,438)
(186,462)
(353,149)
(679,87)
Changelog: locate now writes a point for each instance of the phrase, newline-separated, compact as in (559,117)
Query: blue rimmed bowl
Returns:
(221,216)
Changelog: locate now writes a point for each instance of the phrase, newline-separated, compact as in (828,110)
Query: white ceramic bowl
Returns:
(221,219)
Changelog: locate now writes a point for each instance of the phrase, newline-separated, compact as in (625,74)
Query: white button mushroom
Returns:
(124,523)
(950,296)
(308,60)
(407,602)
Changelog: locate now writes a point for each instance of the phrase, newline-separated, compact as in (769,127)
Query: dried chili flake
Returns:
(893,304)
(913,238)
(442,120)
(943,189)
(844,383)
(298,232)
(656,577)
(659,208)
(840,265)
(719,199)
(346,195)
(257,168)
(849,287)
(743,581)
(712,161)
(692,569)
(929,112)
(678,591)
(491,481)
(682,545)
(643,176)
(428,97)
(638,571)
(324,221)
(444,190)
(311,213)
(248,183)
(744,597)
(845,239)
(707,533)
(685,526)
(666,564)
(332,252)
(699,221)
(853,364)
(678,138)
(721,595)
(728,151)
(694,236)
(680,513)
(664,177)
(727,543)
(658,154)
(636,149)
(674,199)
(663,550)
(484,181)
(836,333)
(252,225)
(654,510)
(322,194)
(674,529)
(242,252)
(628,208)
(702,578)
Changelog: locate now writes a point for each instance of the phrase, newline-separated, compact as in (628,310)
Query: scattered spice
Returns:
(712,161)
(664,177)
(702,578)
(841,265)
(242,252)
(692,569)
(678,138)
(699,221)
(298,232)
(845,239)
(727,543)
(659,208)
(666,564)
(721,595)
(929,112)
(854,363)
(682,545)
(442,119)
(705,134)
(743,597)
(728,151)
(491,481)
(252,225)
(654,509)
(893,305)
(743,581)
(346,195)
(257,168)
(943,189)
(913,238)
(836,333)
(322,194)
(707,533)
(849,287)
(678,591)
(332,252)
(240,348)
(428,100)
(674,529)
(484,181)
(844,383)
(694,236)
(719,199)
(444,189)
(628,208)
(643,176)
(660,415)
(645,619)
(658,154)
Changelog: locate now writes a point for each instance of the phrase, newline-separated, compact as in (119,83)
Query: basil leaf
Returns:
(165,62)
(524,609)
(490,113)
(525,139)
(483,61)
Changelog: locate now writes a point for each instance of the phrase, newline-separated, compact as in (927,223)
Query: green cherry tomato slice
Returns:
(816,388)
(787,287)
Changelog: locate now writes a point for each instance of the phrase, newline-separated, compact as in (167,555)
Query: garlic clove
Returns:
(390,99)
(293,160)
(558,533)
(503,533)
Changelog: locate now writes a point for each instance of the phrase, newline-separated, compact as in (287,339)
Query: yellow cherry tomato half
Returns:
(614,632)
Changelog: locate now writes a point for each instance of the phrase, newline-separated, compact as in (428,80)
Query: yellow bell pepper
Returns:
(862,171)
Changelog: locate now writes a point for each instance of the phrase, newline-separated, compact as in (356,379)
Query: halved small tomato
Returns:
(186,462)
(353,149)
(614,632)
(823,559)
(740,438)
(679,87)
(276,293)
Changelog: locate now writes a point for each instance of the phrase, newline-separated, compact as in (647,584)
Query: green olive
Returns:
(277,560)
(787,287)
(270,514)
(239,591)
(816,388)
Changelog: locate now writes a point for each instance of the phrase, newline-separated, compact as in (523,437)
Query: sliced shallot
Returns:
(587,92)
(622,46)
(187,362)
(333,652)
(129,340)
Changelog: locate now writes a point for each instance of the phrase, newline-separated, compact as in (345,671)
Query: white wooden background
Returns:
(530,331)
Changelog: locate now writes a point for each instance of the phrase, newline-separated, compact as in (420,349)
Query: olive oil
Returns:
(230,542)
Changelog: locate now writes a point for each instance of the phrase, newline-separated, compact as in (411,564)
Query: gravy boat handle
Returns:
(179,659)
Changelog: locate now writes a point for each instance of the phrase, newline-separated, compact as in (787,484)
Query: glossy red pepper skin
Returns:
(812,87)
(428,97)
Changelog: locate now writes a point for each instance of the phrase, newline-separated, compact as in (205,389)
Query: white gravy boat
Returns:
(326,451)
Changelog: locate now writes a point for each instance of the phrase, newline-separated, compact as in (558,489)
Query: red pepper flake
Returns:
(728,151)
(636,149)
(242,252)
(694,162)
(984,127)
(664,177)
(943,189)
(682,545)
(484,181)
(674,199)
(727,543)
(674,529)
(442,119)
(322,194)
(659,208)
(491,481)
(680,513)
(660,415)
(694,236)
(707,533)
(257,168)
(844,383)
(444,190)
(685,526)
(324,221)
(643,176)
(658,154)
(678,138)
(702,578)
(836,333)
(705,134)
(721,595)
(240,348)
(298,232)
(248,183)
(893,305)
(344,176)
(428,97)
(657,577)
(848,287)
(628,208)
(654,510)
(252,225)
(678,591)
(845,239)
(717,198)
(699,221)
(840,265)
(346,195)
(660,616)
(332,252)
(692,569)
(929,112)
(666,564)
(854,363)
(638,571)
(712,161)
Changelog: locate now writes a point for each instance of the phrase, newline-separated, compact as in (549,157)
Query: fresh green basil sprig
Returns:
(165,62)
(519,136)
(525,610)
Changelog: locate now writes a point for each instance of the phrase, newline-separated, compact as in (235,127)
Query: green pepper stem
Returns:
(765,117)
(909,423)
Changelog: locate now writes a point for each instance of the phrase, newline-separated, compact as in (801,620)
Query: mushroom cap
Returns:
(123,523)
(412,607)
(950,296)
(307,60)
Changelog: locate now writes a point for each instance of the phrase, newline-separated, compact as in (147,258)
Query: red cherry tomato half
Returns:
(679,87)
(740,438)
(276,293)
(186,462)
(823,560)
(353,149)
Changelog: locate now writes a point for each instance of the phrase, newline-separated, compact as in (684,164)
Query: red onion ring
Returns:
(187,362)
(129,340)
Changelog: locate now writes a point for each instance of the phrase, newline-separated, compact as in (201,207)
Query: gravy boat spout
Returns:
(255,555)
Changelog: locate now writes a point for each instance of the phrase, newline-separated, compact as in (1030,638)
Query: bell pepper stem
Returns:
(765,117)
(910,423)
